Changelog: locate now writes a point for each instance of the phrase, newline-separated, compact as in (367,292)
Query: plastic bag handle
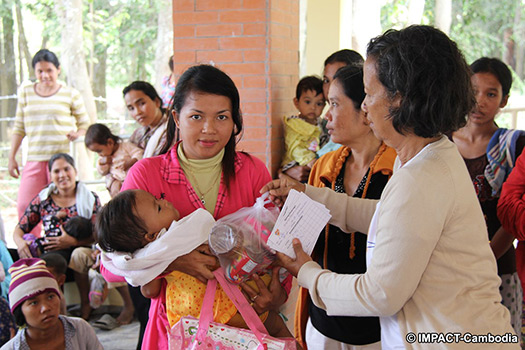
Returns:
(263,200)
(248,313)
(206,315)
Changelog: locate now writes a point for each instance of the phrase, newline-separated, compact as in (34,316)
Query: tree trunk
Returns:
(99,82)
(415,11)
(70,14)
(443,11)
(74,62)
(508,48)
(8,79)
(518,32)
(22,42)
(164,48)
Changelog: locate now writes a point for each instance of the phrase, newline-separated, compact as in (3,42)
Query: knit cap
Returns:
(29,278)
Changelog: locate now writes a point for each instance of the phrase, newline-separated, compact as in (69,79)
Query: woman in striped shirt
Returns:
(50,114)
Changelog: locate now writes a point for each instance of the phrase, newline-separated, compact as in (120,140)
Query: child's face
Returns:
(60,278)
(310,104)
(156,213)
(103,150)
(489,97)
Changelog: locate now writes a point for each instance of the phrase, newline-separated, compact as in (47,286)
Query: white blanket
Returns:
(145,264)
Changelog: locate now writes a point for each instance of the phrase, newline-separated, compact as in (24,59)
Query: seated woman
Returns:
(70,198)
(34,299)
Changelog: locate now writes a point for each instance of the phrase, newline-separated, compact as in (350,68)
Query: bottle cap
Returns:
(222,239)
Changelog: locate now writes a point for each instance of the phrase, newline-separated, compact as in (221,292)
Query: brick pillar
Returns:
(256,42)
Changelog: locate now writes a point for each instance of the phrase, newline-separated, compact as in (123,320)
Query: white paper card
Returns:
(302,218)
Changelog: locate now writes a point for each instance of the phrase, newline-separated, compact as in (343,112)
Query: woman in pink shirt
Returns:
(203,170)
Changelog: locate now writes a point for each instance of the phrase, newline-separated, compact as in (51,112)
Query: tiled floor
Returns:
(121,338)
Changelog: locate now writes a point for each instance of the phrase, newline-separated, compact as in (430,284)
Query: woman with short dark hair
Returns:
(430,268)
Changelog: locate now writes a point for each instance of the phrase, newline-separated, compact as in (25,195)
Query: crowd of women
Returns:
(415,186)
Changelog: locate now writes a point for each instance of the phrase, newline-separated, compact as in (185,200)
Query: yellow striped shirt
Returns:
(45,121)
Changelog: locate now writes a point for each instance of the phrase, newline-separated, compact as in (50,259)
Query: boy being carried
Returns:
(301,132)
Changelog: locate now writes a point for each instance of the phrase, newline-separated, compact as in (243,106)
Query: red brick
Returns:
(255,107)
(295,32)
(237,80)
(254,4)
(183,31)
(254,28)
(184,57)
(243,68)
(282,5)
(283,93)
(255,134)
(284,55)
(183,5)
(256,120)
(242,16)
(277,42)
(277,16)
(281,81)
(180,68)
(252,146)
(280,108)
(255,55)
(195,17)
(284,68)
(255,81)
(291,18)
(242,43)
(253,95)
(196,44)
(281,30)
(219,29)
(207,5)
(220,56)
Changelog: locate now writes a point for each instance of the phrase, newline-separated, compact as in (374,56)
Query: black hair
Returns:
(57,156)
(425,68)
(348,57)
(310,82)
(20,319)
(99,133)
(351,79)
(45,55)
(55,261)
(118,228)
(170,64)
(210,80)
(147,89)
(495,67)
(79,227)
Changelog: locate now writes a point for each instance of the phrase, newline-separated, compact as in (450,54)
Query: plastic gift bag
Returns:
(239,240)
(204,334)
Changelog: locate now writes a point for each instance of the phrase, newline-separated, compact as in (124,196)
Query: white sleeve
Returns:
(348,213)
(410,221)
